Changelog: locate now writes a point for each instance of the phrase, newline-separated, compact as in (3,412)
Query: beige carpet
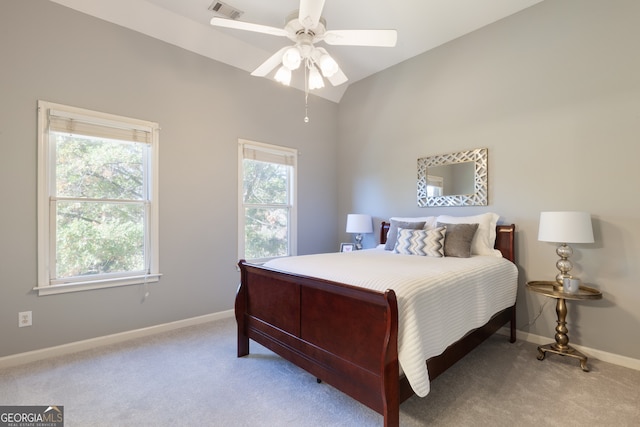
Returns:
(191,377)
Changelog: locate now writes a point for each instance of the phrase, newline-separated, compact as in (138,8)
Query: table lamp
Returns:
(359,224)
(563,228)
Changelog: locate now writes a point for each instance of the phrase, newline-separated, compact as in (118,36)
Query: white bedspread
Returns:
(439,299)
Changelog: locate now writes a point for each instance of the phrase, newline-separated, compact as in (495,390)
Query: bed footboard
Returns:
(344,335)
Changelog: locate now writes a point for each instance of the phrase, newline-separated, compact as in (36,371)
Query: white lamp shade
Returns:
(565,227)
(359,223)
(283,75)
(315,79)
(291,58)
(328,65)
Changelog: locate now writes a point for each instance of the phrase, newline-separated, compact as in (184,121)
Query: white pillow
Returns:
(485,238)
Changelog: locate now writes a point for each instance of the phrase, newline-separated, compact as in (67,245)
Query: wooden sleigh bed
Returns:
(288,314)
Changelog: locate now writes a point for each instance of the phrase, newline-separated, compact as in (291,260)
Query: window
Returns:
(267,202)
(97,200)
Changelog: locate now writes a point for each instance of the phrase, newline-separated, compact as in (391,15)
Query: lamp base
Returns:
(564,251)
(358,241)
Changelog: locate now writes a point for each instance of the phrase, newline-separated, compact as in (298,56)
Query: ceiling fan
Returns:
(305,27)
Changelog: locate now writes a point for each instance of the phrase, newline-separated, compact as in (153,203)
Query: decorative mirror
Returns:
(456,179)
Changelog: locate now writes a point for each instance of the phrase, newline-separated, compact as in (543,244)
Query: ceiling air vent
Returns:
(225,10)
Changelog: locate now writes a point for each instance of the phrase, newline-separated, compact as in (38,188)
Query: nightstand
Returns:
(561,346)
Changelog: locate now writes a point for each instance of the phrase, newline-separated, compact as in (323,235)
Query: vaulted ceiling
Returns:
(421,25)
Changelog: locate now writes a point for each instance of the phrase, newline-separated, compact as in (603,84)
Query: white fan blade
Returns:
(382,38)
(247,26)
(271,63)
(338,78)
(310,12)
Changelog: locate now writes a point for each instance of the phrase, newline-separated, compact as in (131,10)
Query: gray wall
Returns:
(53,53)
(554,94)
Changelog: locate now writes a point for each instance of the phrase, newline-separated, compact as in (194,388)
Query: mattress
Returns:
(439,299)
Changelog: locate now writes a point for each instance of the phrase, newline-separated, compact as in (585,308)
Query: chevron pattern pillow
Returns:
(421,242)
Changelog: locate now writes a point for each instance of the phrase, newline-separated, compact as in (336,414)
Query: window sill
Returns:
(96,284)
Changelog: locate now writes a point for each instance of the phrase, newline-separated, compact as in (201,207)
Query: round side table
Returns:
(561,345)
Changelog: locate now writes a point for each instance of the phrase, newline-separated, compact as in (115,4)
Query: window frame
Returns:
(292,205)
(47,283)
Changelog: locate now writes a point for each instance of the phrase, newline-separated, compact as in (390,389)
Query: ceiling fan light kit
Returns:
(306,27)
(328,65)
(315,79)
(283,75)
(292,58)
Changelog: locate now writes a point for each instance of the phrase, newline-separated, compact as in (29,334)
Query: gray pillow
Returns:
(392,235)
(457,240)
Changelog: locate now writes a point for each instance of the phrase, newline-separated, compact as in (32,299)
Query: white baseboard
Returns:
(616,359)
(35,355)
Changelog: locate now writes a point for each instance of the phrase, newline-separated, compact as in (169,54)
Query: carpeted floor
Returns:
(191,377)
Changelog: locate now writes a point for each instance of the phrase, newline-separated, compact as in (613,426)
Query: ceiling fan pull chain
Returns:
(306,95)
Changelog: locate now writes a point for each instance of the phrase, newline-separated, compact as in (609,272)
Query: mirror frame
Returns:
(479,197)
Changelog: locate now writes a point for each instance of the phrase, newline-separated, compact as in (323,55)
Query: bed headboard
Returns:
(505,239)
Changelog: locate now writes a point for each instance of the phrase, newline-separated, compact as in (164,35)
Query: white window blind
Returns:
(264,154)
(67,122)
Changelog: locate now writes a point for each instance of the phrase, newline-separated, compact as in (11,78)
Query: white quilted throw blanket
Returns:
(439,299)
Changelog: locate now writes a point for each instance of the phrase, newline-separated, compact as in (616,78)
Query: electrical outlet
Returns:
(24,319)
